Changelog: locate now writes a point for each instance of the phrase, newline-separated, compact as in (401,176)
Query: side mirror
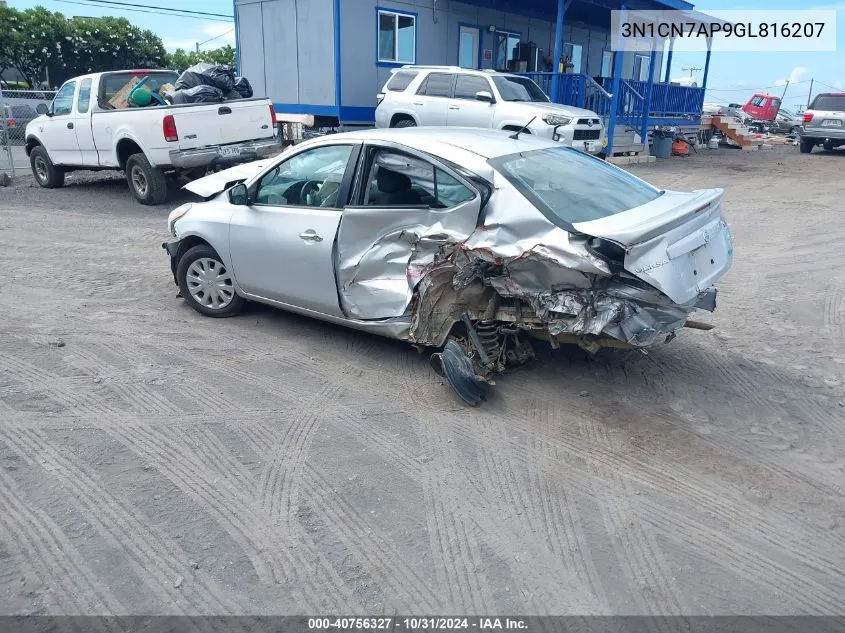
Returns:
(42,108)
(239,195)
(483,95)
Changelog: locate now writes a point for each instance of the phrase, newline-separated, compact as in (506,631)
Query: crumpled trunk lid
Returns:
(679,243)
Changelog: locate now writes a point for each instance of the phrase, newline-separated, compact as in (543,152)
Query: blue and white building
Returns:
(329,58)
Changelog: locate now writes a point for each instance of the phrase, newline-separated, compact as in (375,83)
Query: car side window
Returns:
(468,85)
(312,178)
(63,101)
(400,180)
(84,98)
(437,85)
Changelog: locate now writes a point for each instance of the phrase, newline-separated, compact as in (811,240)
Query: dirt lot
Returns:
(155,461)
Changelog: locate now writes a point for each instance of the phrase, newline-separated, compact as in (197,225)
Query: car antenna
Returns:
(515,135)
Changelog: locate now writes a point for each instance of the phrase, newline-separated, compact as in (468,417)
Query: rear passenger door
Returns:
(406,208)
(433,97)
(467,111)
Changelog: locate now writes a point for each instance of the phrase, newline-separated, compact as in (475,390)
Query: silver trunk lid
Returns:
(679,242)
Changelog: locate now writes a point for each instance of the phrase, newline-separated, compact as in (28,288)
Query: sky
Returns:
(733,76)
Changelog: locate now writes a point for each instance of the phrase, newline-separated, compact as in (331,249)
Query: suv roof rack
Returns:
(428,66)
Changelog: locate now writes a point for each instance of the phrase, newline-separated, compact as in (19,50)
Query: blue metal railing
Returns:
(667,100)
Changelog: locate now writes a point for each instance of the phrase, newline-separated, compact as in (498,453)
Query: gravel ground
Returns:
(153,461)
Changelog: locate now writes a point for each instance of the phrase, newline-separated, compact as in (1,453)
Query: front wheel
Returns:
(147,183)
(206,284)
(405,123)
(806,147)
(46,173)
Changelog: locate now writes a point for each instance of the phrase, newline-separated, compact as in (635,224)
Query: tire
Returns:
(828,147)
(795,130)
(46,173)
(405,123)
(197,273)
(147,183)
(806,146)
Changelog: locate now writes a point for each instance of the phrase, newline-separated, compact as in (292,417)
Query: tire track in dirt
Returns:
(34,378)
(815,548)
(238,513)
(151,554)
(51,555)
(380,560)
(635,549)
(724,550)
(834,310)
(288,453)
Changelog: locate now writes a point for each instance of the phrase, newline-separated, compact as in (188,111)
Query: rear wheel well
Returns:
(125,149)
(400,117)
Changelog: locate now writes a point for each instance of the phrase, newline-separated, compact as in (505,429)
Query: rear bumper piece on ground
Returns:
(173,249)
(213,156)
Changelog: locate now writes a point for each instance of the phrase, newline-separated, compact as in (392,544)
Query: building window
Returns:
(397,37)
(606,63)
(641,67)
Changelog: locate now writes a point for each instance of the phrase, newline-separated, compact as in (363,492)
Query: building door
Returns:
(641,66)
(468,43)
(573,53)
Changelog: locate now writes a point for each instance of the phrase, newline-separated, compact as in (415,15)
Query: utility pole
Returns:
(810,95)
(198,46)
(691,70)
(784,91)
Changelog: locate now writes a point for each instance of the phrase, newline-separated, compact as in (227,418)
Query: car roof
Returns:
(444,141)
(453,70)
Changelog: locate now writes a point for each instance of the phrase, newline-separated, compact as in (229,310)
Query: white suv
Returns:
(448,95)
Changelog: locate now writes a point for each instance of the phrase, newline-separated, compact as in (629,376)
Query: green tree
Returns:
(37,39)
(182,60)
(31,41)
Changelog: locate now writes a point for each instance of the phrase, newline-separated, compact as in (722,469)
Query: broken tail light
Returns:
(611,252)
(808,116)
(168,128)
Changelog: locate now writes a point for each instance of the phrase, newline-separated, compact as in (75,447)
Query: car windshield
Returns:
(831,103)
(518,89)
(569,186)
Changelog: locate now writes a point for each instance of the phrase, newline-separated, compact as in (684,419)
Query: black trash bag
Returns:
(198,94)
(206,74)
(242,86)
(232,95)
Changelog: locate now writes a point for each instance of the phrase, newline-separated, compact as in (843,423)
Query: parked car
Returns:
(17,118)
(824,122)
(471,240)
(83,130)
(447,95)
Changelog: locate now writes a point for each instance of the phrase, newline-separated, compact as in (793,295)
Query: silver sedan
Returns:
(473,242)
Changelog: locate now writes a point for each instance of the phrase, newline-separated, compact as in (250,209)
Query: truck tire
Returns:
(806,146)
(147,183)
(46,173)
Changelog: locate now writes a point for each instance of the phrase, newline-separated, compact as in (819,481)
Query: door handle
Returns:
(418,103)
(70,125)
(310,236)
(454,108)
(224,110)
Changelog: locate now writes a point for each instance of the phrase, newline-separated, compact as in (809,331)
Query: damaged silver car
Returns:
(471,242)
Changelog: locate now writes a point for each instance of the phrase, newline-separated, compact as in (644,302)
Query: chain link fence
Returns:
(17,109)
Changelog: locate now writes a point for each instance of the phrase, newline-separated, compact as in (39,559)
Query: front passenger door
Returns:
(281,243)
(467,111)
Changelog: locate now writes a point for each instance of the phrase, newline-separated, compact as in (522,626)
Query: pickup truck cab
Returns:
(83,130)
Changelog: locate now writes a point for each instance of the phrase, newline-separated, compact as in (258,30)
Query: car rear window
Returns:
(401,80)
(112,83)
(568,186)
(831,103)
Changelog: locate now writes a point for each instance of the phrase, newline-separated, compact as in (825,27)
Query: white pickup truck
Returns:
(83,130)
